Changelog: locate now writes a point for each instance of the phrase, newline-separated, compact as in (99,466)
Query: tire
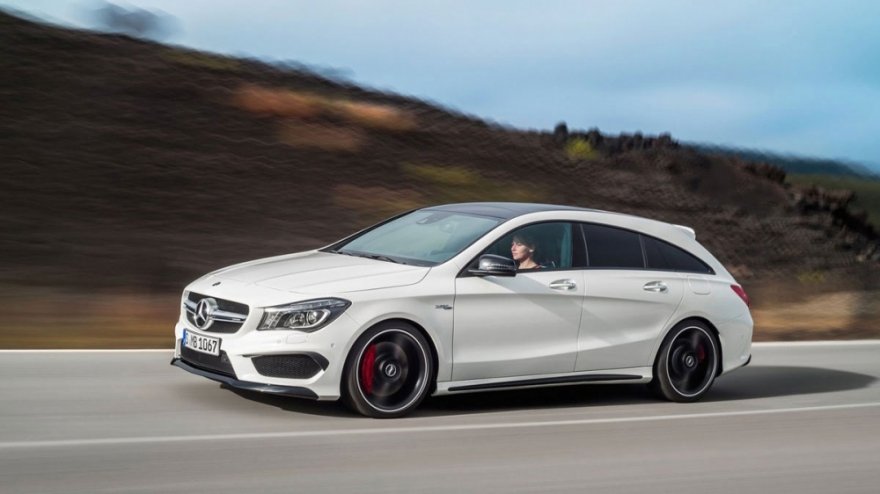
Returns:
(686,364)
(388,372)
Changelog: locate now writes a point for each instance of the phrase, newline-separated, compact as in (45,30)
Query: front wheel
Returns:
(685,366)
(388,371)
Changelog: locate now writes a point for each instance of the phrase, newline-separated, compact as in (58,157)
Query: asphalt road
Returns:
(801,418)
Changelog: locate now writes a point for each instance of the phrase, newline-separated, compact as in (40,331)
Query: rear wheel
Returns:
(685,366)
(388,371)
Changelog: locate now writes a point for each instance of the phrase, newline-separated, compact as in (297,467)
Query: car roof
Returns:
(503,210)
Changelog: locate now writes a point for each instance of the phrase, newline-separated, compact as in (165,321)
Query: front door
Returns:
(524,325)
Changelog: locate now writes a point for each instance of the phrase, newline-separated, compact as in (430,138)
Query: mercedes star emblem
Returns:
(204,310)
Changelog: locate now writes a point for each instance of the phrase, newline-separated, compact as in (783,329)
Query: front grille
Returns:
(223,305)
(220,364)
(287,366)
(216,326)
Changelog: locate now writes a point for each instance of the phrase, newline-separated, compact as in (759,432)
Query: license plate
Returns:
(201,343)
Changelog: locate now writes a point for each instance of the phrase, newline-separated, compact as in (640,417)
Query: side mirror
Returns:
(492,265)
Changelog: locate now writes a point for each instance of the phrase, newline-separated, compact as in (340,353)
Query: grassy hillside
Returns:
(131,168)
(867,191)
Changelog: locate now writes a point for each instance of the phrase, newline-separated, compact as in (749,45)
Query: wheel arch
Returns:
(715,333)
(432,345)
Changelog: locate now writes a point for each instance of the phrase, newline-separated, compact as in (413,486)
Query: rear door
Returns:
(626,305)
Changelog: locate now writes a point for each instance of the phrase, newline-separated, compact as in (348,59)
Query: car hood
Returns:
(318,272)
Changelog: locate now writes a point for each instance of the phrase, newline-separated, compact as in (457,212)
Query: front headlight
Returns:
(308,316)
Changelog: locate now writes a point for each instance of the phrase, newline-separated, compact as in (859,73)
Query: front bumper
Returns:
(274,389)
(244,351)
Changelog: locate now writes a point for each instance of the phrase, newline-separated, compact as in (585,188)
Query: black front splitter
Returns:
(275,389)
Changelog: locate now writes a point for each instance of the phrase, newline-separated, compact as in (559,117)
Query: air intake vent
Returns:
(300,366)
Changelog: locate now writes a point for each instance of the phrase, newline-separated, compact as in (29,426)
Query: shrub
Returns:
(277,102)
(579,149)
(305,105)
(442,175)
(375,116)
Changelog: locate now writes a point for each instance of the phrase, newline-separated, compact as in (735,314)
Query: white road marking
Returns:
(815,343)
(758,344)
(422,429)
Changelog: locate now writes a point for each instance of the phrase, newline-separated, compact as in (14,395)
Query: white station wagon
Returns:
(471,297)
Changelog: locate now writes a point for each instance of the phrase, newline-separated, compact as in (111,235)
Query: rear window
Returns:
(667,257)
(609,247)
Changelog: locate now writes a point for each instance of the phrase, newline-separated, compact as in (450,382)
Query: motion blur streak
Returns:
(131,167)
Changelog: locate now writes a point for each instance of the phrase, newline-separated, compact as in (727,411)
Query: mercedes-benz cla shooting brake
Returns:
(472,297)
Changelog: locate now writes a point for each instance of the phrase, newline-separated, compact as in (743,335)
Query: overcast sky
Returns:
(799,77)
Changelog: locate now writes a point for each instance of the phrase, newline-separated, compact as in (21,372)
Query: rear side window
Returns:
(609,247)
(667,257)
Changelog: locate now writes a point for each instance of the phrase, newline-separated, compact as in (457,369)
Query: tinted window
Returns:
(664,256)
(609,247)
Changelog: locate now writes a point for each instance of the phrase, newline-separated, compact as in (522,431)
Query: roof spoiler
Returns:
(690,231)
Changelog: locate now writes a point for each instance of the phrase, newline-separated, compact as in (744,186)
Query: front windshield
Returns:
(425,238)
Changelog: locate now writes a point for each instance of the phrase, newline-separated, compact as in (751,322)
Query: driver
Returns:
(522,249)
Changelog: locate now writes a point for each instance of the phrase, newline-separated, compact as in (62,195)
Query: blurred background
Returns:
(144,144)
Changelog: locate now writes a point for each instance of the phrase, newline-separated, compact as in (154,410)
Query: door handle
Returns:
(656,286)
(563,285)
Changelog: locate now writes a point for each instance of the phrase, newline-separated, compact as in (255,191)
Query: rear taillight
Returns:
(742,294)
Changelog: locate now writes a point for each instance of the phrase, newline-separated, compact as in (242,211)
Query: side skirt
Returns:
(634,375)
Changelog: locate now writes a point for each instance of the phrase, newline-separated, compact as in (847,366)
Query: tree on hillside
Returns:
(134,21)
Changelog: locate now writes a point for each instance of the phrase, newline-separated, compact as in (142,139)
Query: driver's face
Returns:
(519,251)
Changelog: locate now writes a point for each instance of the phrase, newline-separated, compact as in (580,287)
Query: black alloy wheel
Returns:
(686,365)
(388,372)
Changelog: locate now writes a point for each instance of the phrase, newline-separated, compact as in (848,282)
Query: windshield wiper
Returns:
(368,255)
(380,257)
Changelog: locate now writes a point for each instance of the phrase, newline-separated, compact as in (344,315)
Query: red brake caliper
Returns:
(367,369)
(701,353)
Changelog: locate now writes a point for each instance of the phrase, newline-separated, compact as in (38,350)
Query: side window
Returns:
(539,246)
(664,256)
(609,247)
